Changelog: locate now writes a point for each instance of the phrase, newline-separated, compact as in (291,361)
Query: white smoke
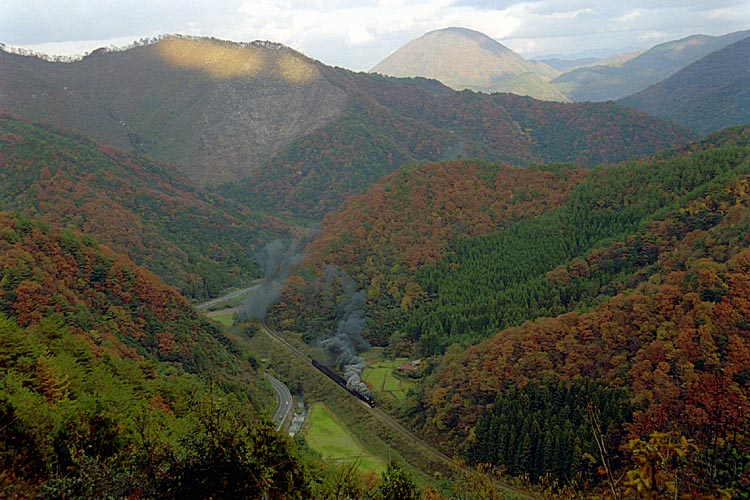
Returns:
(276,259)
(347,342)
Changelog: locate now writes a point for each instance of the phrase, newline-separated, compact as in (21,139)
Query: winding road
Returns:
(284,404)
(218,300)
(395,425)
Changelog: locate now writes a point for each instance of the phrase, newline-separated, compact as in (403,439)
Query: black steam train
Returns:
(340,380)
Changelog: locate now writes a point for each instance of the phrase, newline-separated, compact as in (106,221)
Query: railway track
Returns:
(396,426)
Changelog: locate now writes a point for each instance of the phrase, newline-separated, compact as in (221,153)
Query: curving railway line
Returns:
(393,424)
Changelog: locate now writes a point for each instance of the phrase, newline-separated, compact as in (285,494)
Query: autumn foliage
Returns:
(138,207)
(675,338)
(100,294)
(411,219)
(390,122)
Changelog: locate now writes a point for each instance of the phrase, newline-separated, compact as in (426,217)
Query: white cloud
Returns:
(262,9)
(630,16)
(360,34)
(730,13)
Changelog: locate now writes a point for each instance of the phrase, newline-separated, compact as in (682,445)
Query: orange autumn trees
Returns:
(678,344)
(138,207)
(112,385)
(411,219)
(51,272)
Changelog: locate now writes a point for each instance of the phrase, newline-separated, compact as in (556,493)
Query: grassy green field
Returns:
(224,316)
(335,443)
(380,375)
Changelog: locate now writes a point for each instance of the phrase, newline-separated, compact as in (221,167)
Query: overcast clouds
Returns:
(358,35)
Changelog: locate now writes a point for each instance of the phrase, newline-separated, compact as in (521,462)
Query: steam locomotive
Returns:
(340,380)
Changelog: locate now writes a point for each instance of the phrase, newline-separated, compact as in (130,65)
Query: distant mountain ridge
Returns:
(281,132)
(466,59)
(565,65)
(710,94)
(396,122)
(611,82)
(217,109)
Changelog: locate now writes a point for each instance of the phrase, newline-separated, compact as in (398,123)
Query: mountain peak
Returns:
(466,33)
(466,59)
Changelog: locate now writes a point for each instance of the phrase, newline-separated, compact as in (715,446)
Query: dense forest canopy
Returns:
(578,321)
(634,279)
(197,242)
(411,219)
(664,318)
(111,384)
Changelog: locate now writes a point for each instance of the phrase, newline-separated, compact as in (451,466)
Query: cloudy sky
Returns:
(358,34)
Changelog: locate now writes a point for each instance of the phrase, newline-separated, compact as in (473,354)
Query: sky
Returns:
(358,35)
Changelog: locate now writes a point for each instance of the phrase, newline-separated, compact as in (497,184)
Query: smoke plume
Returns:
(276,259)
(347,342)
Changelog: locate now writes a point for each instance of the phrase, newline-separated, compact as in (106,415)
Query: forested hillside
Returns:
(394,121)
(215,109)
(657,315)
(111,385)
(411,219)
(710,94)
(518,255)
(511,276)
(294,136)
(144,209)
(570,281)
(640,269)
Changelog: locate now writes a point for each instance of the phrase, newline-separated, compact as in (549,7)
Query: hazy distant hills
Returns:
(290,135)
(610,82)
(710,94)
(565,65)
(466,59)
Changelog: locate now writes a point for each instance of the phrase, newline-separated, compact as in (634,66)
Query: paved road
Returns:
(283,401)
(398,427)
(218,300)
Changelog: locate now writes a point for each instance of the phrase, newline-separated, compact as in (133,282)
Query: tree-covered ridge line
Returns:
(390,122)
(674,336)
(405,243)
(597,236)
(198,242)
(111,385)
(294,136)
(410,219)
